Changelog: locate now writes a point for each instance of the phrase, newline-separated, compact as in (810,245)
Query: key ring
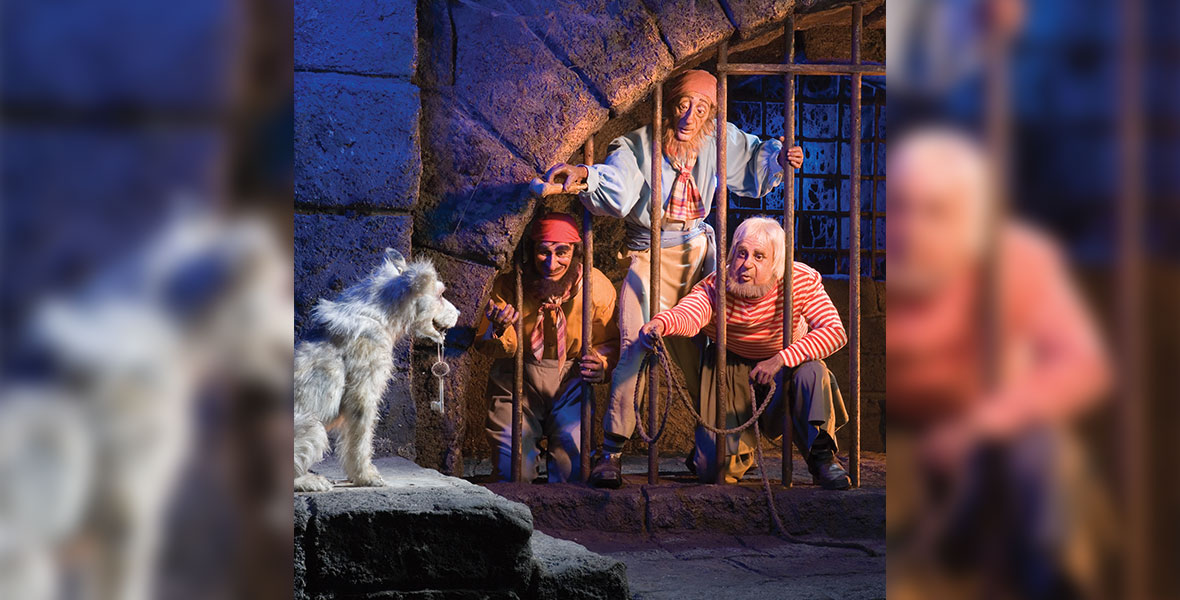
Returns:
(440,368)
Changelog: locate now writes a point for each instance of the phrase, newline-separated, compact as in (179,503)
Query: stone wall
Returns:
(358,162)
(430,151)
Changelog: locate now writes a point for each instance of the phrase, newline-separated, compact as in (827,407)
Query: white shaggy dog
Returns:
(341,379)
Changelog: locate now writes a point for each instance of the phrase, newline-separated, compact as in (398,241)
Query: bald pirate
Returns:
(620,187)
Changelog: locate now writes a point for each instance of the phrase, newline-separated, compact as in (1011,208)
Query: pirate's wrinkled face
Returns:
(752,262)
(692,111)
(552,259)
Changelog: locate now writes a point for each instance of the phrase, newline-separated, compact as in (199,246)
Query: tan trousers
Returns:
(815,401)
(681,267)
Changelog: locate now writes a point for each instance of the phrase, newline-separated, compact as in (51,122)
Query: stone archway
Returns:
(498,91)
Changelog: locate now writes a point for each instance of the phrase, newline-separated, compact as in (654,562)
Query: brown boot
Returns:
(607,471)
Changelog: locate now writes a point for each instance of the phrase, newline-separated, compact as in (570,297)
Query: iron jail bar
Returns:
(655,252)
(788,464)
(789,68)
(518,374)
(587,321)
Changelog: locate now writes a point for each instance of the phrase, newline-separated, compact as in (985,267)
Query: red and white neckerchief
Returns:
(684,198)
(553,305)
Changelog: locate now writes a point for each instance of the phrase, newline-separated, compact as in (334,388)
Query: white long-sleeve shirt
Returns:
(620,186)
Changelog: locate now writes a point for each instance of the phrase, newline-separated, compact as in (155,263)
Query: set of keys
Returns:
(439,369)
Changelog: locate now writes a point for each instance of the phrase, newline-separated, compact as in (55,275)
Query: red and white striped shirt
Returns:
(754,328)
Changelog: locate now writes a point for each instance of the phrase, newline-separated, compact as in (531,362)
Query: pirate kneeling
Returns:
(554,370)
(754,340)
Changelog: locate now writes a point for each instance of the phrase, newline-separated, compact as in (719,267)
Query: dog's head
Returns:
(413,298)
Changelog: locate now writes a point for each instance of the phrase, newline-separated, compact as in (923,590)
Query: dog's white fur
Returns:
(344,376)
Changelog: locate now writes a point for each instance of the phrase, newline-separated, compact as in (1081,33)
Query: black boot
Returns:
(825,469)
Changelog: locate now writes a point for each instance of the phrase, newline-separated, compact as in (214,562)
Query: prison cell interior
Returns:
(856,71)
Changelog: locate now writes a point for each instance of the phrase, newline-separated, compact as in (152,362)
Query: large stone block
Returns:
(826,27)
(580,508)
(731,509)
(301,517)
(851,514)
(568,571)
(475,202)
(334,251)
(358,141)
(690,26)
(377,37)
(616,46)
(837,288)
(162,56)
(754,17)
(508,76)
(423,531)
(435,40)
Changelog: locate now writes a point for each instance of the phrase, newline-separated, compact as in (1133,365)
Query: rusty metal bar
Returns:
(720,204)
(518,378)
(854,253)
(1137,567)
(998,131)
(874,251)
(587,320)
(800,69)
(656,213)
(788,466)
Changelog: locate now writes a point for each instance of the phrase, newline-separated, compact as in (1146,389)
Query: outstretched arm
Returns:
(689,315)
(612,187)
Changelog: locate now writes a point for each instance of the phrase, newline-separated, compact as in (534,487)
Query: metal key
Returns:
(439,369)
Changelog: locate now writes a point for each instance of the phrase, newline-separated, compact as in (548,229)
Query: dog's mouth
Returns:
(440,330)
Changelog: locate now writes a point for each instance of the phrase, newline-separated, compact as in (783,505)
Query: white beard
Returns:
(748,291)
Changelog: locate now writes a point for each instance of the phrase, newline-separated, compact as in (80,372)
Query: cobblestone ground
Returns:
(691,565)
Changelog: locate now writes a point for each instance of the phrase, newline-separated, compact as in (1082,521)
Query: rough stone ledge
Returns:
(568,571)
(422,531)
(735,509)
(429,536)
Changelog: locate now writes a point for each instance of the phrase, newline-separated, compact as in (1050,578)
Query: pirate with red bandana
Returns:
(620,187)
(554,369)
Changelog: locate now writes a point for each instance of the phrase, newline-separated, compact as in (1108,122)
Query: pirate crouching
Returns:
(554,370)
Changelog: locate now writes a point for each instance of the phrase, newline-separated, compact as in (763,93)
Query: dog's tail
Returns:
(311,442)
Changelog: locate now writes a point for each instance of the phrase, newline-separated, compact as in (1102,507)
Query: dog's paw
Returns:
(312,483)
(369,478)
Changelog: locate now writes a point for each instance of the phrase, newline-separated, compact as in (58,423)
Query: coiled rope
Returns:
(657,357)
